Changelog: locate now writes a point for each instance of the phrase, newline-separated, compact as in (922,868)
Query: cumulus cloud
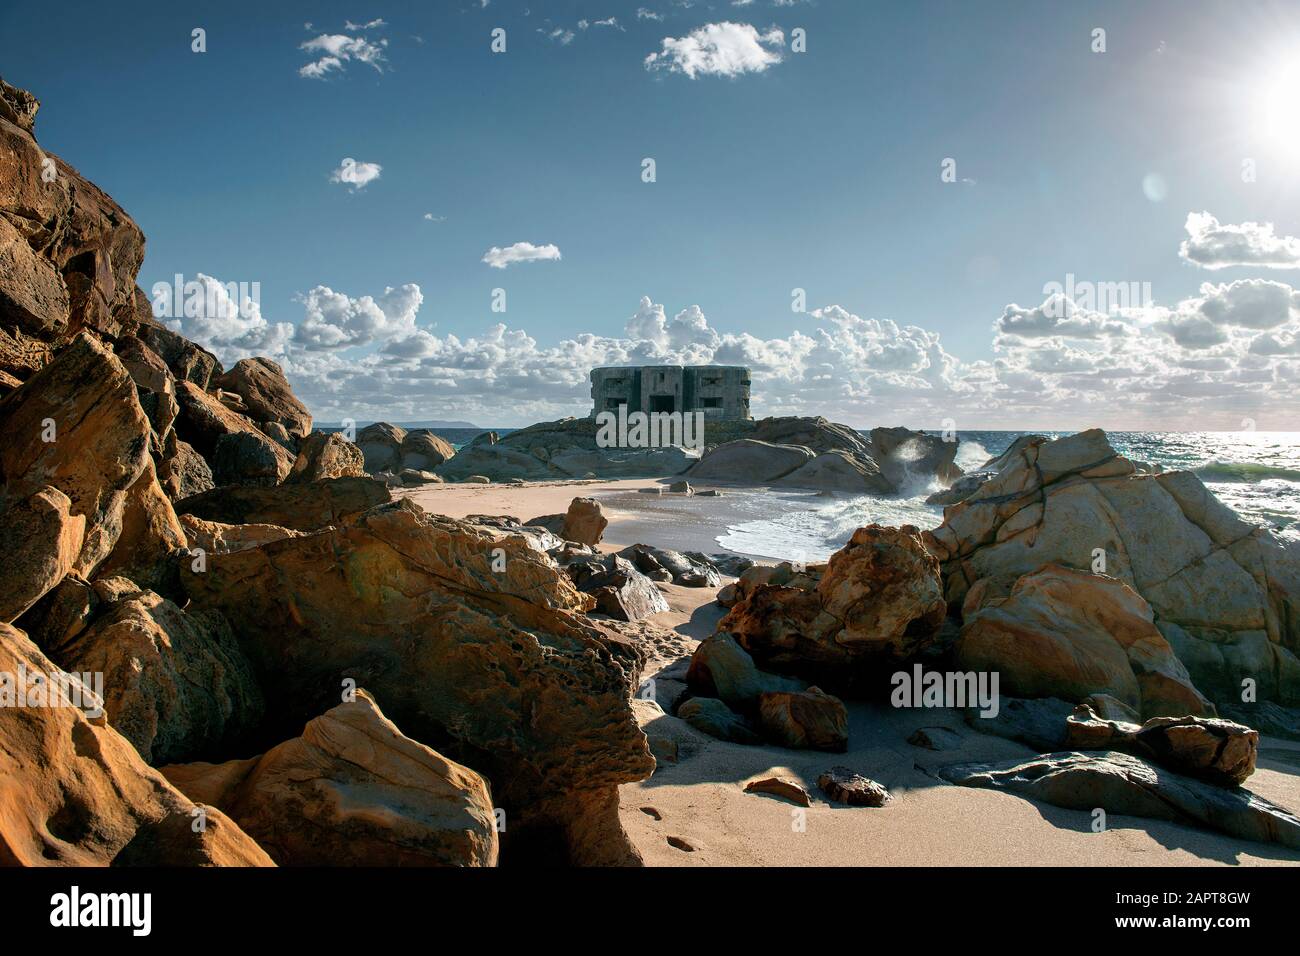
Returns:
(355,173)
(334,320)
(719,49)
(1204,362)
(499,258)
(331,51)
(1214,245)
(232,327)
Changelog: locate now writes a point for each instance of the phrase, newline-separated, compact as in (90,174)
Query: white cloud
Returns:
(1214,245)
(643,14)
(356,173)
(719,49)
(335,320)
(372,25)
(499,258)
(229,328)
(333,50)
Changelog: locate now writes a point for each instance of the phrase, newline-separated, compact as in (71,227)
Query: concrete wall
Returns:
(721,392)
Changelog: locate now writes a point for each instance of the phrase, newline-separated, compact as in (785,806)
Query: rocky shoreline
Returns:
(283,663)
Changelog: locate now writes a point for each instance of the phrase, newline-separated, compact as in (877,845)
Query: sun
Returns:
(1279,109)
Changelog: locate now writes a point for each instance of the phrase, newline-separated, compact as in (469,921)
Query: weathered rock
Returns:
(692,571)
(722,668)
(381,447)
(711,716)
(214,537)
(961,489)
(681,488)
(1121,783)
(1268,718)
(424,451)
(487,665)
(154,384)
(33,295)
(787,788)
(326,456)
(1219,751)
(838,470)
(184,472)
(411,478)
(304,507)
(235,447)
(750,461)
(175,683)
(845,786)
(188,362)
(879,598)
(266,393)
(76,426)
(1225,593)
(74,792)
(40,542)
(809,719)
(352,791)
(620,590)
(60,615)
(1038,723)
(584,522)
(151,538)
(911,459)
(1066,633)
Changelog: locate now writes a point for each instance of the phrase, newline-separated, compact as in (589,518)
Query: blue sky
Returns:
(817,170)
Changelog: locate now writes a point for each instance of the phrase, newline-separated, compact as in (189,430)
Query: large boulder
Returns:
(619,589)
(76,426)
(813,432)
(267,395)
(188,362)
(584,522)
(304,507)
(381,447)
(807,719)
(722,668)
(1224,593)
(155,387)
(879,600)
(175,683)
(750,461)
(424,451)
(238,451)
(911,459)
(470,640)
(326,456)
(839,471)
(74,792)
(353,790)
(40,540)
(1068,634)
(184,472)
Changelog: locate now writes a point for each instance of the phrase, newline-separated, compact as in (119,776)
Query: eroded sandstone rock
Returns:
(74,792)
(352,790)
(304,507)
(324,456)
(267,395)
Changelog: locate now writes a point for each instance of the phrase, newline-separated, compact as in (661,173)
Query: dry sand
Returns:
(700,800)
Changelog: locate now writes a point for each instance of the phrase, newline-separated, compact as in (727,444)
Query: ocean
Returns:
(1257,474)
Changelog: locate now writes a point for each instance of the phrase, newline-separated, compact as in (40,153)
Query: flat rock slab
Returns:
(1121,783)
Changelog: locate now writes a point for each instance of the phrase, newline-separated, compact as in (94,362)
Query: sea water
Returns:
(1257,474)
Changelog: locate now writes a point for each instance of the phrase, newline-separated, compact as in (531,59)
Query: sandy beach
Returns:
(700,802)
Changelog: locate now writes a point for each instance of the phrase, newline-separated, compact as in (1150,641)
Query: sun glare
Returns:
(1279,109)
